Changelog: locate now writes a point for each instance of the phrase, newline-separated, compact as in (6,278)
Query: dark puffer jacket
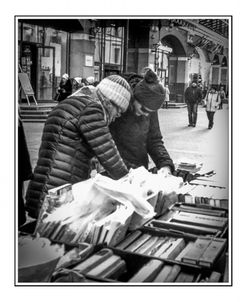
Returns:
(75,131)
(193,95)
(138,136)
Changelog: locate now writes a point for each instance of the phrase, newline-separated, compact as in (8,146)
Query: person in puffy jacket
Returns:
(75,131)
(137,132)
(212,103)
(193,96)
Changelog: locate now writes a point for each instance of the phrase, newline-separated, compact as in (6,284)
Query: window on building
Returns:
(32,33)
(117,56)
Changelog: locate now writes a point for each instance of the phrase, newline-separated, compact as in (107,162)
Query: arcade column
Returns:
(178,77)
(215,75)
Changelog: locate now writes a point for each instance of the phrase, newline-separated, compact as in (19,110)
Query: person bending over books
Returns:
(75,131)
(137,132)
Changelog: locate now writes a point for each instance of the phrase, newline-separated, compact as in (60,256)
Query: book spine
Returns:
(93,261)
(185,277)
(184,251)
(116,271)
(214,277)
(184,227)
(157,245)
(105,267)
(137,243)
(147,246)
(164,247)
(128,240)
(173,274)
(163,274)
(212,252)
(193,255)
(174,250)
(200,220)
(148,272)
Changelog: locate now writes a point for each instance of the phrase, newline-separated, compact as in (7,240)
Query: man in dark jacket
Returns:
(75,131)
(24,171)
(137,132)
(193,96)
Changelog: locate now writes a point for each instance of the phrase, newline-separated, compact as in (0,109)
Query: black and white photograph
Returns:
(123,130)
(123,151)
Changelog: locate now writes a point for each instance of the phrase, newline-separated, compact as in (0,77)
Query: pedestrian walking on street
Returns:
(212,103)
(193,96)
(167,97)
(76,130)
(222,97)
(137,132)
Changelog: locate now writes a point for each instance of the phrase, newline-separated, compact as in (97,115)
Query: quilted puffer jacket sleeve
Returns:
(96,132)
(155,145)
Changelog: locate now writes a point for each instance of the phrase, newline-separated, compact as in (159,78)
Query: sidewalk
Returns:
(208,146)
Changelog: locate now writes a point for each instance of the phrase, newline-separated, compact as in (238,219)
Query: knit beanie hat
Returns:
(149,92)
(90,80)
(117,90)
(150,76)
(65,76)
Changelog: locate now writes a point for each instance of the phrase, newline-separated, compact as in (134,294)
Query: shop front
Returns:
(42,54)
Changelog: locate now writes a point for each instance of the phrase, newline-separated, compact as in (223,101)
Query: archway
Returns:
(174,43)
(177,66)
(216,60)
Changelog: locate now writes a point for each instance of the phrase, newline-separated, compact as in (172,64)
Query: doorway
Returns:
(28,63)
(45,73)
(39,64)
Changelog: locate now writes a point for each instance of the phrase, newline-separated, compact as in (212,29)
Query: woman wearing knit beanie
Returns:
(75,131)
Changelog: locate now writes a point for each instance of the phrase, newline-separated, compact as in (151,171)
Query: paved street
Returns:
(199,143)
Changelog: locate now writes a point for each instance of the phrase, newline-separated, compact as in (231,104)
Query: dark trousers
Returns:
(192,113)
(164,105)
(221,104)
(210,115)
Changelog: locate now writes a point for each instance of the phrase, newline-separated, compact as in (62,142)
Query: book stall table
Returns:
(185,242)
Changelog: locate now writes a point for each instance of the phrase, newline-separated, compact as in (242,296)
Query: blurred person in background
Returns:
(222,97)
(64,89)
(193,96)
(167,97)
(212,103)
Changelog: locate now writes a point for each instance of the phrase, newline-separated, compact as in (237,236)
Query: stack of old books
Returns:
(192,167)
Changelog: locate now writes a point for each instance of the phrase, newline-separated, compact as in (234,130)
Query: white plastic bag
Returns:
(124,192)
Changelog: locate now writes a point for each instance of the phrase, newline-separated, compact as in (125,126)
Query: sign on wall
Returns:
(57,58)
(88,60)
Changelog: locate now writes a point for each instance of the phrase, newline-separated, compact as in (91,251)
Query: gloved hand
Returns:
(165,171)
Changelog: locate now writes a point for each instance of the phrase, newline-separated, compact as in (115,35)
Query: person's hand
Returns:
(165,171)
